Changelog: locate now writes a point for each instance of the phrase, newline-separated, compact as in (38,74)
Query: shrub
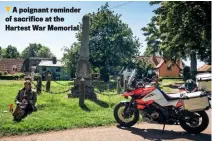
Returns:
(101,85)
(37,76)
(12,77)
(5,73)
(171,77)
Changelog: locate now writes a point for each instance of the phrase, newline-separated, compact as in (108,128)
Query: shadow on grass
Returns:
(100,103)
(85,108)
(156,134)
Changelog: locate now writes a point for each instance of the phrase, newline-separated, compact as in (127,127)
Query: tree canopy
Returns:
(9,52)
(181,29)
(36,50)
(111,43)
(70,58)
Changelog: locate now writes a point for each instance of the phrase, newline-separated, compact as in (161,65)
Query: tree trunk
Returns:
(193,65)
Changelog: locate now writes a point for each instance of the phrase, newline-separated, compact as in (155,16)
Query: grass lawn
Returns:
(164,84)
(55,111)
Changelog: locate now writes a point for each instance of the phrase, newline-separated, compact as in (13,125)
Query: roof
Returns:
(204,68)
(49,63)
(157,63)
(7,64)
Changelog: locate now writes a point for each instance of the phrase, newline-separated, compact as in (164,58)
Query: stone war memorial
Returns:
(83,66)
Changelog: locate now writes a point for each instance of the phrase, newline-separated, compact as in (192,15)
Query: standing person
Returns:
(48,82)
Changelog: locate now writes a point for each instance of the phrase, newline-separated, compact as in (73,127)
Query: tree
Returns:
(142,68)
(36,50)
(112,43)
(70,58)
(10,52)
(186,73)
(0,51)
(183,30)
(153,37)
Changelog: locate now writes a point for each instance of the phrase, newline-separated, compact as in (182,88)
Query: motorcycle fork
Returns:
(128,106)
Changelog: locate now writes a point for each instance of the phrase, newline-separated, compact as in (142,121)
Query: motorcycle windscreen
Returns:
(132,76)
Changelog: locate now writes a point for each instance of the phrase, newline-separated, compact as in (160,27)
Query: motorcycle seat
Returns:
(181,95)
(184,95)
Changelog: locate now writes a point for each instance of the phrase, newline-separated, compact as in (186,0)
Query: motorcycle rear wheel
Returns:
(200,127)
(124,123)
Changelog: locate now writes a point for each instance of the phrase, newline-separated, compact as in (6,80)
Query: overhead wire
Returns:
(121,5)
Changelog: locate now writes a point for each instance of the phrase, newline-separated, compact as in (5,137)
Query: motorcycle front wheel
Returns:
(125,119)
(196,125)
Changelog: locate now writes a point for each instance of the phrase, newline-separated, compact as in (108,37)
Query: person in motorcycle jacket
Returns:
(27,94)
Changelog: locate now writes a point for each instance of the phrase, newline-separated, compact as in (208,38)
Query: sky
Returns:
(135,14)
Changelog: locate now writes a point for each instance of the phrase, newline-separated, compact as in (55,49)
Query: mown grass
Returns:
(164,84)
(55,111)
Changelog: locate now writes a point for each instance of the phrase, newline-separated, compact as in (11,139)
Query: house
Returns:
(32,62)
(162,67)
(11,66)
(204,69)
(56,69)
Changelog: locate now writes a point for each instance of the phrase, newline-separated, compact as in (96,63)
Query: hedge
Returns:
(37,76)
(169,77)
(12,77)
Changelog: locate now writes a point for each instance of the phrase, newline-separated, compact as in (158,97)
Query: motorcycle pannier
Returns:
(196,104)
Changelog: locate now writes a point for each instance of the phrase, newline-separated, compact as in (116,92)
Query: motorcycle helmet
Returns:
(190,85)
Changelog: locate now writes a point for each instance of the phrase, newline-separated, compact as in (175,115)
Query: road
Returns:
(139,132)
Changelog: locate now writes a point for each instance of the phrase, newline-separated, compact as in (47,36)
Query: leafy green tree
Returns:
(70,58)
(112,43)
(0,51)
(36,50)
(10,52)
(183,30)
(142,68)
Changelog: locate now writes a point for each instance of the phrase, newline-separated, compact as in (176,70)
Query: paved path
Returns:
(139,132)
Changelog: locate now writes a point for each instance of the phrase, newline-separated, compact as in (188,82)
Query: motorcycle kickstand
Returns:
(160,139)
(163,128)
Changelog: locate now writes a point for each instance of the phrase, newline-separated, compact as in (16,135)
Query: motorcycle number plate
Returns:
(196,104)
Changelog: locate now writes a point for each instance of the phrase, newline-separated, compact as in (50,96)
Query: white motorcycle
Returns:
(187,109)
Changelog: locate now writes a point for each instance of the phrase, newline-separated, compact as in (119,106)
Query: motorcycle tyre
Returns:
(122,123)
(200,128)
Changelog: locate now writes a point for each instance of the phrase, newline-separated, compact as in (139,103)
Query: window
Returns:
(14,68)
(44,69)
(58,70)
(169,68)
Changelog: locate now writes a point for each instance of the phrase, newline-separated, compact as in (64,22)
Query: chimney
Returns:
(54,60)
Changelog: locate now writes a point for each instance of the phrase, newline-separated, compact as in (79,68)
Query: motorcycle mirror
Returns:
(150,72)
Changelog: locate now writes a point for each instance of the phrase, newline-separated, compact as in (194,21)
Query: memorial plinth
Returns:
(83,65)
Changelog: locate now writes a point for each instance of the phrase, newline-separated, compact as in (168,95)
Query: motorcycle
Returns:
(22,110)
(183,108)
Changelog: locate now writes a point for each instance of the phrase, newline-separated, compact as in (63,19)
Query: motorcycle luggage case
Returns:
(196,104)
